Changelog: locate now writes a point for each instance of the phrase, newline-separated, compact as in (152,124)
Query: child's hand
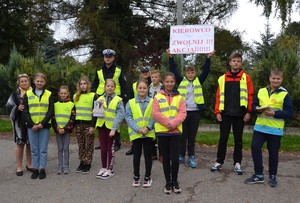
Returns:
(61,131)
(169,54)
(269,112)
(112,133)
(211,54)
(247,117)
(170,127)
(100,101)
(219,117)
(91,130)
(40,126)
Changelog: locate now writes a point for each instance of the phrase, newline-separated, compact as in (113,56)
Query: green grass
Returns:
(288,143)
(5,125)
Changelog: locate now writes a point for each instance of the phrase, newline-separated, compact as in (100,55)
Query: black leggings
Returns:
(137,145)
(169,148)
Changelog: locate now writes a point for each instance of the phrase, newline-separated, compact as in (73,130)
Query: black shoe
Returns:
(42,174)
(35,174)
(86,169)
(19,173)
(129,152)
(117,147)
(97,147)
(80,167)
(29,169)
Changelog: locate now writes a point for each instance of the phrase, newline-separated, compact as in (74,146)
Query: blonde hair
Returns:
(78,90)
(64,87)
(154,72)
(109,80)
(23,75)
(42,75)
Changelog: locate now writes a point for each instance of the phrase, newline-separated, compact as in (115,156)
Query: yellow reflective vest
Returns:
(84,106)
(62,112)
(109,112)
(198,94)
(134,86)
(267,124)
(167,110)
(243,91)
(100,90)
(140,119)
(38,107)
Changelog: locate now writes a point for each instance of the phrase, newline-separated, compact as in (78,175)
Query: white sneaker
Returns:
(136,182)
(107,174)
(148,182)
(216,167)
(238,169)
(101,172)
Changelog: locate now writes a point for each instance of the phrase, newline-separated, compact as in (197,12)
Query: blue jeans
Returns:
(39,147)
(63,142)
(273,145)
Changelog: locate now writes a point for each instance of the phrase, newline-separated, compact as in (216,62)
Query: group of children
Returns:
(172,117)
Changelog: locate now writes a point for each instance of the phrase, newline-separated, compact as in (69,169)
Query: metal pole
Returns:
(179,22)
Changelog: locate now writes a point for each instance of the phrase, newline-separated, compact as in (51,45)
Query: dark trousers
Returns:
(273,146)
(169,147)
(138,144)
(188,137)
(107,147)
(237,124)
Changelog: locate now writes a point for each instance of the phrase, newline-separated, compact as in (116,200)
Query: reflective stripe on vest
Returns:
(109,112)
(38,108)
(198,94)
(134,86)
(243,91)
(62,111)
(140,119)
(167,110)
(269,124)
(100,90)
(84,106)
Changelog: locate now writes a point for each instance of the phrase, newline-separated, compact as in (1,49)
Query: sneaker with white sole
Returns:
(168,188)
(216,167)
(147,182)
(176,187)
(101,172)
(238,169)
(255,179)
(107,174)
(136,182)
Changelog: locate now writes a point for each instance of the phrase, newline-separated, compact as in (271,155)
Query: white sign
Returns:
(190,39)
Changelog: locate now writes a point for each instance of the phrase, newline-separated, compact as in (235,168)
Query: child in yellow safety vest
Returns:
(273,105)
(108,127)
(141,131)
(63,123)
(169,112)
(84,124)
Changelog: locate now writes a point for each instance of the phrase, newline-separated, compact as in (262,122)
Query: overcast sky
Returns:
(249,21)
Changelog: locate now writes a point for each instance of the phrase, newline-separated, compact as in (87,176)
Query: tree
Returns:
(283,6)
(24,23)
(136,29)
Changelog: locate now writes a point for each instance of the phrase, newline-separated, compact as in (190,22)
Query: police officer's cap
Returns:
(144,69)
(108,52)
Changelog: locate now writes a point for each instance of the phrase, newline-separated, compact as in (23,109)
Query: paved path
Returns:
(199,185)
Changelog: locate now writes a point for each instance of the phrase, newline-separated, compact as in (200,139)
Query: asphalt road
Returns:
(198,185)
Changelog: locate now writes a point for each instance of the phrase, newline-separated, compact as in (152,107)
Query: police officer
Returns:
(110,69)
